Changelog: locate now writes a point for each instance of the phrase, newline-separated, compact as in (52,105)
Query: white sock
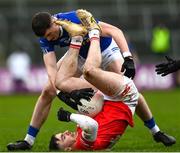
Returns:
(76,42)
(57,91)
(30,139)
(94,33)
(155,129)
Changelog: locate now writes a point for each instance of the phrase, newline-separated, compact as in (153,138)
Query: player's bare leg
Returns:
(143,110)
(107,82)
(67,71)
(94,55)
(145,114)
(42,106)
(66,79)
(39,116)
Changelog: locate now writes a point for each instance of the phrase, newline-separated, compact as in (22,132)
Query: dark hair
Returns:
(53,143)
(41,22)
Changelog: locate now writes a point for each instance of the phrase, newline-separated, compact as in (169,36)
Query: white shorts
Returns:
(128,94)
(108,55)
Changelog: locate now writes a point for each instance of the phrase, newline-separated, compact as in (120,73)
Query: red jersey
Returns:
(113,120)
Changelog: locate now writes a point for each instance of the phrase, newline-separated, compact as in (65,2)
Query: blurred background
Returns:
(152,29)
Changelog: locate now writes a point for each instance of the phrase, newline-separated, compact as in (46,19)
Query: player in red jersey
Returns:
(103,130)
(120,96)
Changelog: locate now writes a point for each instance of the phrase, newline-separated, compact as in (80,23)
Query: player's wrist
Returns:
(127,54)
(72,116)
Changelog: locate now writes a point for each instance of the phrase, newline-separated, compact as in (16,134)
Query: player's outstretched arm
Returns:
(87,124)
(167,67)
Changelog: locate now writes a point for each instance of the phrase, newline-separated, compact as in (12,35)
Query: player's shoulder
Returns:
(43,40)
(71,16)
(62,14)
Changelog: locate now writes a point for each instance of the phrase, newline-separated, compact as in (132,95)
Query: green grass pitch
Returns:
(16,110)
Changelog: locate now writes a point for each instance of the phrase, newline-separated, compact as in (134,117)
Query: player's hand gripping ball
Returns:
(93,107)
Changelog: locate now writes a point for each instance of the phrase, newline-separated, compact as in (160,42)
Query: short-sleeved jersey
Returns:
(64,40)
(112,120)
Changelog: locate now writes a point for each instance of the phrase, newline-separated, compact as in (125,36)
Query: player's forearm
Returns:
(52,71)
(51,67)
(52,75)
(119,38)
(89,126)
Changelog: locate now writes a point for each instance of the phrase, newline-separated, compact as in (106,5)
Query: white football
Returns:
(93,107)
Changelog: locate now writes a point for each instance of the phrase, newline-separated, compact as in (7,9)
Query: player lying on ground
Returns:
(54,35)
(170,66)
(103,130)
(120,96)
(107,126)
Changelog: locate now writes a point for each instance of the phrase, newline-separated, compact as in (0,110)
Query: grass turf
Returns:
(16,110)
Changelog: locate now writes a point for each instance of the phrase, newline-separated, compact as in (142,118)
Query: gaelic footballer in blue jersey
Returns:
(51,34)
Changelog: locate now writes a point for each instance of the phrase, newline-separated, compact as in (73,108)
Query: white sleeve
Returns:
(87,124)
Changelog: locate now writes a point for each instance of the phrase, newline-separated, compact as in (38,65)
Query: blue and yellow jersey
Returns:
(64,40)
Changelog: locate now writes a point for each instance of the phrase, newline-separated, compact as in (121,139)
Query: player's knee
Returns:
(60,84)
(48,92)
(88,71)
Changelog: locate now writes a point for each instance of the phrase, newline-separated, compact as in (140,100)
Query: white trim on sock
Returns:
(57,91)
(94,33)
(155,129)
(30,139)
(76,40)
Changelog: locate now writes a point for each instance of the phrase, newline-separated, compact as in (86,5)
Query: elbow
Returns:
(114,31)
(93,130)
(118,30)
(93,126)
